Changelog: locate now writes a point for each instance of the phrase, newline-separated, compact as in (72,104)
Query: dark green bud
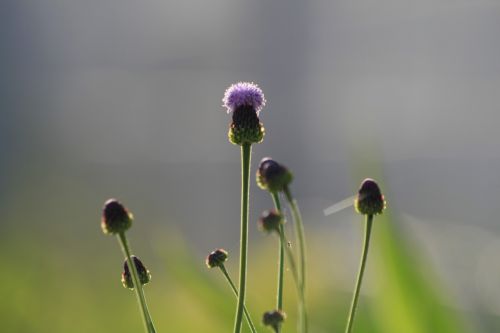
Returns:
(216,258)
(246,127)
(272,176)
(270,221)
(273,319)
(144,274)
(369,200)
(115,217)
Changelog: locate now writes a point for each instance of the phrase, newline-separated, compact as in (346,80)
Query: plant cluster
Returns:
(245,101)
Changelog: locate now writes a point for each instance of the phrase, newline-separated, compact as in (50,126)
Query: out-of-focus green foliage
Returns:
(409,298)
(56,287)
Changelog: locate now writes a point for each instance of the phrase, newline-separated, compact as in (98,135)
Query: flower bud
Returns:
(143,274)
(216,258)
(272,176)
(369,200)
(273,319)
(270,221)
(245,100)
(115,217)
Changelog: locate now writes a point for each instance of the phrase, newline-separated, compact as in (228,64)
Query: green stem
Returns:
(141,299)
(246,150)
(291,262)
(300,290)
(362,264)
(281,262)
(235,291)
(297,218)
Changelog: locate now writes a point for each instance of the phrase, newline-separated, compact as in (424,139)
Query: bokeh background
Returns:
(122,99)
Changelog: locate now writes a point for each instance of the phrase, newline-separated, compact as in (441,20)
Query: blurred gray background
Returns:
(123,99)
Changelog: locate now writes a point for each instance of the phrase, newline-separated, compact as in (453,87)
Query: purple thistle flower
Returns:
(244,94)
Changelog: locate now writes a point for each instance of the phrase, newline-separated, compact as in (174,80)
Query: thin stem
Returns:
(300,290)
(362,264)
(297,217)
(246,150)
(301,240)
(148,322)
(235,291)
(281,262)
(291,262)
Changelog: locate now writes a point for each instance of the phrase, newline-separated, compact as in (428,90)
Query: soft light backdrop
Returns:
(123,99)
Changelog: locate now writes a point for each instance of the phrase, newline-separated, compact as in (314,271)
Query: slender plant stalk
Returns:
(300,290)
(297,217)
(362,264)
(281,262)
(246,150)
(141,299)
(235,291)
(291,262)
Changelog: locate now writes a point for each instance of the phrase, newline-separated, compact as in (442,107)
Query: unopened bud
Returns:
(369,200)
(115,217)
(143,274)
(270,221)
(273,319)
(216,258)
(272,176)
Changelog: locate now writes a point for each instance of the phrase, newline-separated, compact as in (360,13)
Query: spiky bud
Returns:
(270,221)
(144,274)
(245,100)
(246,127)
(216,258)
(273,319)
(115,217)
(370,200)
(272,176)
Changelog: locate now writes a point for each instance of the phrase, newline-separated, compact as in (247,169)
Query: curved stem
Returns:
(281,262)
(235,291)
(246,150)
(297,217)
(291,262)
(362,264)
(300,290)
(148,322)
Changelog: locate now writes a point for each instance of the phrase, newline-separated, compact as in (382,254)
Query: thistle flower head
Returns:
(244,94)
(115,217)
(144,274)
(245,100)
(369,200)
(216,258)
(273,319)
(272,176)
(270,221)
